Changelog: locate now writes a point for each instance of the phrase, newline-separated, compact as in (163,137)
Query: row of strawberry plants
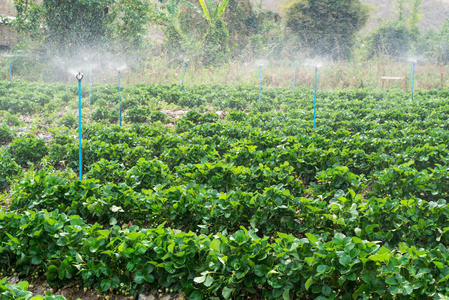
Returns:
(220,265)
(199,208)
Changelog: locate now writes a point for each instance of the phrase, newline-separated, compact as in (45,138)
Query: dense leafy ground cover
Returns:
(255,204)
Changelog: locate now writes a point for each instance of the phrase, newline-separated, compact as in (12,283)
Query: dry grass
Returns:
(7,7)
(347,75)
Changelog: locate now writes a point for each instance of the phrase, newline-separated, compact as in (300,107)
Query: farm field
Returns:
(206,193)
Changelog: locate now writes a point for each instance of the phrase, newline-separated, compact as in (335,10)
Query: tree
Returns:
(326,27)
(216,39)
(70,26)
(415,17)
(392,39)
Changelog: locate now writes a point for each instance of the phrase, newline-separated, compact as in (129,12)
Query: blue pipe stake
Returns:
(260,83)
(119,102)
(10,77)
(413,77)
(183,73)
(314,100)
(80,76)
(294,79)
(90,85)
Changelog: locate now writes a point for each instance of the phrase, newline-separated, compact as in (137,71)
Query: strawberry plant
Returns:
(28,150)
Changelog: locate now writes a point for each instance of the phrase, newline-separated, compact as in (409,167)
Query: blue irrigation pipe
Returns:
(413,77)
(294,78)
(80,76)
(90,85)
(10,77)
(314,99)
(183,74)
(260,83)
(119,102)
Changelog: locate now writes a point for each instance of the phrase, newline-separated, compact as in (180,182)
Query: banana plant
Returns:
(210,12)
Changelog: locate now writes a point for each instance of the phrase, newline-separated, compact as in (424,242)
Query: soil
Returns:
(72,291)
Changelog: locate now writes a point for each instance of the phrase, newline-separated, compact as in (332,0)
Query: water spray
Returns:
(183,74)
(294,78)
(90,85)
(314,99)
(79,77)
(119,101)
(10,77)
(260,82)
(413,77)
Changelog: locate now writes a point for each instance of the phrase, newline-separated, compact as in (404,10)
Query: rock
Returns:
(148,296)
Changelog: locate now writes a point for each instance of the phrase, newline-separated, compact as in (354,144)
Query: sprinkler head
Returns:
(414,62)
(316,68)
(79,76)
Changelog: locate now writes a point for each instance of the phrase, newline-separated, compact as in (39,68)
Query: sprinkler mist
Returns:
(10,77)
(90,85)
(183,74)
(314,98)
(260,82)
(119,101)
(294,78)
(413,77)
(79,77)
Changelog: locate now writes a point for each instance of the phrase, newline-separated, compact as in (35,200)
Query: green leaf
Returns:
(309,282)
(196,295)
(345,259)
(226,292)
(36,260)
(260,270)
(209,281)
(200,279)
(311,238)
(215,245)
(391,281)
(286,294)
(326,290)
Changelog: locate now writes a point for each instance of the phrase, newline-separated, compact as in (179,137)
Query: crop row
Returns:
(219,265)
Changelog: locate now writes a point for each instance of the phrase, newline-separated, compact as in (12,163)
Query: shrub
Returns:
(106,171)
(193,116)
(6,135)
(137,114)
(68,121)
(147,174)
(158,116)
(391,39)
(209,117)
(12,120)
(28,149)
(237,116)
(8,169)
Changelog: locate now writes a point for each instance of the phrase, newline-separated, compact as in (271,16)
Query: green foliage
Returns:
(236,116)
(216,39)
(9,169)
(104,114)
(106,171)
(28,150)
(158,116)
(392,39)
(326,27)
(254,205)
(68,121)
(11,120)
(6,135)
(20,291)
(137,114)
(435,43)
